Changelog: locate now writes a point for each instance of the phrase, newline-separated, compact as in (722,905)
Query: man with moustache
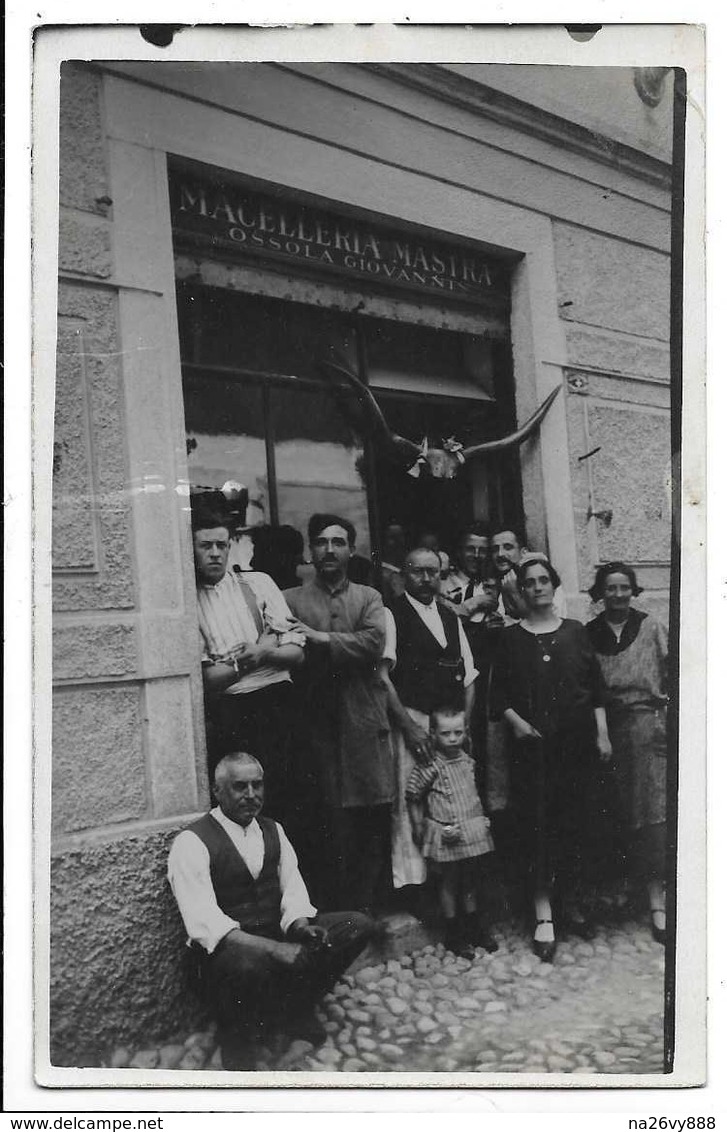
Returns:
(264,956)
(430,665)
(342,765)
(508,551)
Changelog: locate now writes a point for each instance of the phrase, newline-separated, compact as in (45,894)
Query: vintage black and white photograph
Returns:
(366,561)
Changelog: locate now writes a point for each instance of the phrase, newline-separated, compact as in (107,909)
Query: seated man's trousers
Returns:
(252,992)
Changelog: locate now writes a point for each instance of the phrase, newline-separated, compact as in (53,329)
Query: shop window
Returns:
(226,435)
(259,411)
(319,461)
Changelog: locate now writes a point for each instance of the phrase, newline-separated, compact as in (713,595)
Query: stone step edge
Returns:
(398,933)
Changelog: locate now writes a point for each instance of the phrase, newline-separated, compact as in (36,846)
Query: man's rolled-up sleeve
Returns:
(188,871)
(277,616)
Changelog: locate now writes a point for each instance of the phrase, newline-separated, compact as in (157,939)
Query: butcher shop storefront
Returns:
(418,294)
(270,287)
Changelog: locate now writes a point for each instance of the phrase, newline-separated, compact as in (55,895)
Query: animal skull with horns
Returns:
(440,463)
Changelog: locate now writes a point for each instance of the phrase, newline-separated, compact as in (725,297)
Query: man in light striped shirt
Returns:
(249,643)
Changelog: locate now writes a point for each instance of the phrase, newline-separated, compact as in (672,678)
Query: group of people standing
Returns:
(407,736)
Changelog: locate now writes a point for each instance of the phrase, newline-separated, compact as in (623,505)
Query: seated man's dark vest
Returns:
(426,676)
(255,904)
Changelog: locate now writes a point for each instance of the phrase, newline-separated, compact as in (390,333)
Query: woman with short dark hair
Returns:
(549,690)
(632,650)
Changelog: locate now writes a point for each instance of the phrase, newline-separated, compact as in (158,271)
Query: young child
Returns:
(453,833)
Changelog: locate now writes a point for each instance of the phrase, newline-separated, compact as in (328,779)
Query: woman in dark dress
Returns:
(548,688)
(632,650)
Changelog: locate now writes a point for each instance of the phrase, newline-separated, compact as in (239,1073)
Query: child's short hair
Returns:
(444,711)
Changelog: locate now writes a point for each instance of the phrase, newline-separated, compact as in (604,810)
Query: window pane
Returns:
(226,328)
(319,460)
(226,438)
(435,362)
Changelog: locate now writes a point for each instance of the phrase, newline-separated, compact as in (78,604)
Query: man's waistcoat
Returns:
(255,904)
(426,675)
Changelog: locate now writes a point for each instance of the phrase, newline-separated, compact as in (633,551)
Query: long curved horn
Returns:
(366,397)
(514,438)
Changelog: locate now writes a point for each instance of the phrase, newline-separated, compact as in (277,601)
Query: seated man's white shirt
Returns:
(432,618)
(226,623)
(188,871)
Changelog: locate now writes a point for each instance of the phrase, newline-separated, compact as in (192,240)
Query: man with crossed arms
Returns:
(249,644)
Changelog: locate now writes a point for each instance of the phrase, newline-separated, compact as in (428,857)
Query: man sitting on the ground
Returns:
(265,957)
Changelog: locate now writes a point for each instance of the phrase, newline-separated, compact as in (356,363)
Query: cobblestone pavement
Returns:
(597,1009)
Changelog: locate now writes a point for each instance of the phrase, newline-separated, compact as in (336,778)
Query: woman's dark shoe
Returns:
(544,948)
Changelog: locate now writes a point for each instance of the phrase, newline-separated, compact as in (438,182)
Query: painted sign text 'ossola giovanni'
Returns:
(228,217)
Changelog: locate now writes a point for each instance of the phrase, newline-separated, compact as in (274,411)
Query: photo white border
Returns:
(658,49)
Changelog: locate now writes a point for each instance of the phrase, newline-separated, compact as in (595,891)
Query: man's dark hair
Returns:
(268,540)
(499,528)
(321,520)
(277,552)
(478,528)
(420,550)
(207,514)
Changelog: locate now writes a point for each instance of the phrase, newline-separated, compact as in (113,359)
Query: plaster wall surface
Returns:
(82,168)
(616,352)
(118,966)
(89,411)
(600,98)
(98,774)
(633,481)
(614,299)
(318,103)
(608,283)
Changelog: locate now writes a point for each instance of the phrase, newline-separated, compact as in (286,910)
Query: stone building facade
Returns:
(558,183)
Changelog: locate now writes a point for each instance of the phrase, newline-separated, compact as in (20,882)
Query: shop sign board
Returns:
(231,217)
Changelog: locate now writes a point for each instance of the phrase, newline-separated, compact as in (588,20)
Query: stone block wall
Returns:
(118,970)
(614,301)
(123,665)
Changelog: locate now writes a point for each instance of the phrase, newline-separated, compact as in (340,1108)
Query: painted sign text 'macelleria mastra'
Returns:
(230,217)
